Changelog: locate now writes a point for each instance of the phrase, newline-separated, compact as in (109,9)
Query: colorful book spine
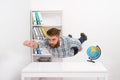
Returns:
(40,17)
(38,51)
(41,33)
(37,18)
(44,32)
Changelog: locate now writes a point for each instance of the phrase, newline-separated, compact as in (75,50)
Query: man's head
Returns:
(53,37)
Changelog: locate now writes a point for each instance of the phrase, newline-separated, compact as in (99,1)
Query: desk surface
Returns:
(42,67)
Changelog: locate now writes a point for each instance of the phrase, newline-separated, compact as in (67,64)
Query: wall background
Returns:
(100,20)
(14,29)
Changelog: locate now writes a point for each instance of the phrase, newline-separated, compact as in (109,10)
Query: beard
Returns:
(55,46)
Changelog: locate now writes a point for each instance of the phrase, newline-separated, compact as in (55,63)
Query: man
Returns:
(57,45)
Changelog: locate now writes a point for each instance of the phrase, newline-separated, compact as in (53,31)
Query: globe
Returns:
(93,53)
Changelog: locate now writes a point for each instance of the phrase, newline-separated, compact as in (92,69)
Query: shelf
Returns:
(46,25)
(46,19)
(42,55)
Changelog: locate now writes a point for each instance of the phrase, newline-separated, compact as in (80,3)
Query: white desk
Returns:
(64,69)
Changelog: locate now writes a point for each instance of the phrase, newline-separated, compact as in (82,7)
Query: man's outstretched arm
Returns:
(31,44)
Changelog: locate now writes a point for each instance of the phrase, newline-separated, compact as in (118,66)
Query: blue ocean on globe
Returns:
(93,52)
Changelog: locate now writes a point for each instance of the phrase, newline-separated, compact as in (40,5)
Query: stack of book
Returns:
(38,30)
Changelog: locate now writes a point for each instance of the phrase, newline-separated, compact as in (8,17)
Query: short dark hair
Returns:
(53,32)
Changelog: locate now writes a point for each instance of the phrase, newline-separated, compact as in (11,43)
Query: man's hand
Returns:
(79,50)
(30,44)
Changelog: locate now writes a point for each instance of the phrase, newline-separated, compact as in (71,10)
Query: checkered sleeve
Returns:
(42,43)
(75,43)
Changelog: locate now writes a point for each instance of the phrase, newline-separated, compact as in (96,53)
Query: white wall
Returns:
(99,19)
(14,29)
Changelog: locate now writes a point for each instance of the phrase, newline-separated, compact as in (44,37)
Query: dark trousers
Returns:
(81,39)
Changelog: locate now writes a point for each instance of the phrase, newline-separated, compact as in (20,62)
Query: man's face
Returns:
(54,41)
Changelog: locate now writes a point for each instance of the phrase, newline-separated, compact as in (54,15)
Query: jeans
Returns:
(81,39)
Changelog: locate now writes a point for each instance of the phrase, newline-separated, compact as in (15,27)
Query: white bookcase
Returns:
(49,19)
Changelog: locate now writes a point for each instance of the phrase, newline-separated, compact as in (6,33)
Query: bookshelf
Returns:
(47,19)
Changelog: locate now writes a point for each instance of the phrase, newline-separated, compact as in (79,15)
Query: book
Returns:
(36,33)
(34,19)
(38,51)
(40,17)
(44,32)
(37,18)
(40,33)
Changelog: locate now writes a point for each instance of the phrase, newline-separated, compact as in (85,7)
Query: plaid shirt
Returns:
(65,48)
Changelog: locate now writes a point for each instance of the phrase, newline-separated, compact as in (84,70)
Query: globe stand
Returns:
(91,60)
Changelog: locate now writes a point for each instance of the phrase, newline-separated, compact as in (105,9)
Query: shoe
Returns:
(70,35)
(83,35)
